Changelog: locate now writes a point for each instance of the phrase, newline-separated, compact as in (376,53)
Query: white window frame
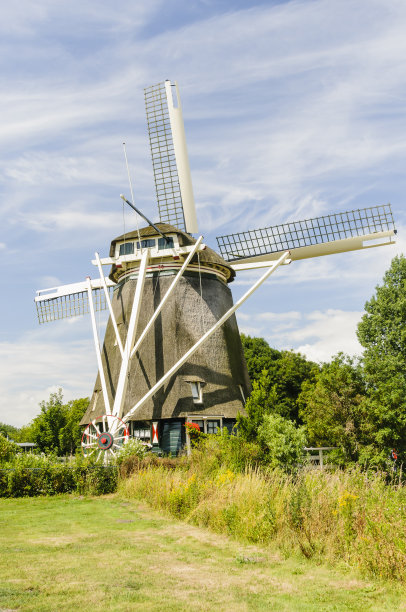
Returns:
(198,397)
(154,251)
(200,417)
(146,437)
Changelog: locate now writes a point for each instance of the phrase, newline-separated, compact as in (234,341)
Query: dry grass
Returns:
(349,517)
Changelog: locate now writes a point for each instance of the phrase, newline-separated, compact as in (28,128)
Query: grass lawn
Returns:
(104,553)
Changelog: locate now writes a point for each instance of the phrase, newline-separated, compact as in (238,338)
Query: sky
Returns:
(292,109)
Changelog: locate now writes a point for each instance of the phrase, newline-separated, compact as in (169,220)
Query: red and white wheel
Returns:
(104,436)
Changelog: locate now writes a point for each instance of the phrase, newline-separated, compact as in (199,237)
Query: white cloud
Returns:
(318,334)
(32,369)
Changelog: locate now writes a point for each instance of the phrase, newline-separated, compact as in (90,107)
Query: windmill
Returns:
(172,351)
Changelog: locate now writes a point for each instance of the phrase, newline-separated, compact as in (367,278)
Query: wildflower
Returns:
(346,499)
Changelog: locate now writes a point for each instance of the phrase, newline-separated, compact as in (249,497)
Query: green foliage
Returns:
(56,429)
(263,400)
(283,443)
(7,449)
(276,389)
(258,355)
(288,374)
(333,408)
(133,448)
(224,450)
(382,331)
(70,435)
(9,431)
(29,475)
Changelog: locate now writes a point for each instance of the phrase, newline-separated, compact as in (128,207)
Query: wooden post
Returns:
(188,446)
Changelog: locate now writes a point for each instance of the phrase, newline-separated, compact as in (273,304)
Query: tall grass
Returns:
(353,516)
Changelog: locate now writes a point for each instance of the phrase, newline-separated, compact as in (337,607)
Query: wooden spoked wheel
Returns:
(104,436)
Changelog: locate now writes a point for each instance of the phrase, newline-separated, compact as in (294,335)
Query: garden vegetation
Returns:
(354,516)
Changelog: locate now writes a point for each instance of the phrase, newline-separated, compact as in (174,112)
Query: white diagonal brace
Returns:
(207,335)
(97,345)
(166,296)
(132,330)
(108,301)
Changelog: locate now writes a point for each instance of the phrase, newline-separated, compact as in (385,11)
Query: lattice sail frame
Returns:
(56,305)
(170,161)
(163,156)
(307,233)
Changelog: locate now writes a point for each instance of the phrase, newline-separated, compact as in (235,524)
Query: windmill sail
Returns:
(335,233)
(70,300)
(169,156)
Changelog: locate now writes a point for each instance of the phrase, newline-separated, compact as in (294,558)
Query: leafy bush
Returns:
(283,443)
(133,448)
(7,449)
(130,456)
(28,475)
(223,450)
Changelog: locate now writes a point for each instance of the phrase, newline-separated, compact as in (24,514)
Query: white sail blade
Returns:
(70,300)
(169,156)
(335,233)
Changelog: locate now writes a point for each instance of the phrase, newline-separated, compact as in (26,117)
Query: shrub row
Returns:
(31,475)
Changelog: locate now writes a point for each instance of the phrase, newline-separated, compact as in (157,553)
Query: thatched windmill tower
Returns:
(210,388)
(172,351)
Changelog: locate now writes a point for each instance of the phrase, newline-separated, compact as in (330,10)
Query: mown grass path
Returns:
(78,553)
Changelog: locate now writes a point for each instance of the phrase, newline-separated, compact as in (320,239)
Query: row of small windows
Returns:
(207,426)
(127,248)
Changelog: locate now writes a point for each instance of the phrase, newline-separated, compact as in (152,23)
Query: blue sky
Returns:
(292,110)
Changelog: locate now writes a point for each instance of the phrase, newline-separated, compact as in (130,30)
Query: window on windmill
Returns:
(207,425)
(146,244)
(127,248)
(200,423)
(212,427)
(165,244)
(142,431)
(196,389)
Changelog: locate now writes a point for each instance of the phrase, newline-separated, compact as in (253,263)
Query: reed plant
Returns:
(353,517)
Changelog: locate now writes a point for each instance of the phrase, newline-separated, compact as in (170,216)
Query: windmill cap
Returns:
(207,257)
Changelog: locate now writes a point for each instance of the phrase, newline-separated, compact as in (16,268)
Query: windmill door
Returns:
(171,440)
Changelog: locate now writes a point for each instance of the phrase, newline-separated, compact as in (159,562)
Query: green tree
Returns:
(7,449)
(287,375)
(258,355)
(332,408)
(382,333)
(47,425)
(275,390)
(262,401)
(9,431)
(282,441)
(56,429)
(70,435)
